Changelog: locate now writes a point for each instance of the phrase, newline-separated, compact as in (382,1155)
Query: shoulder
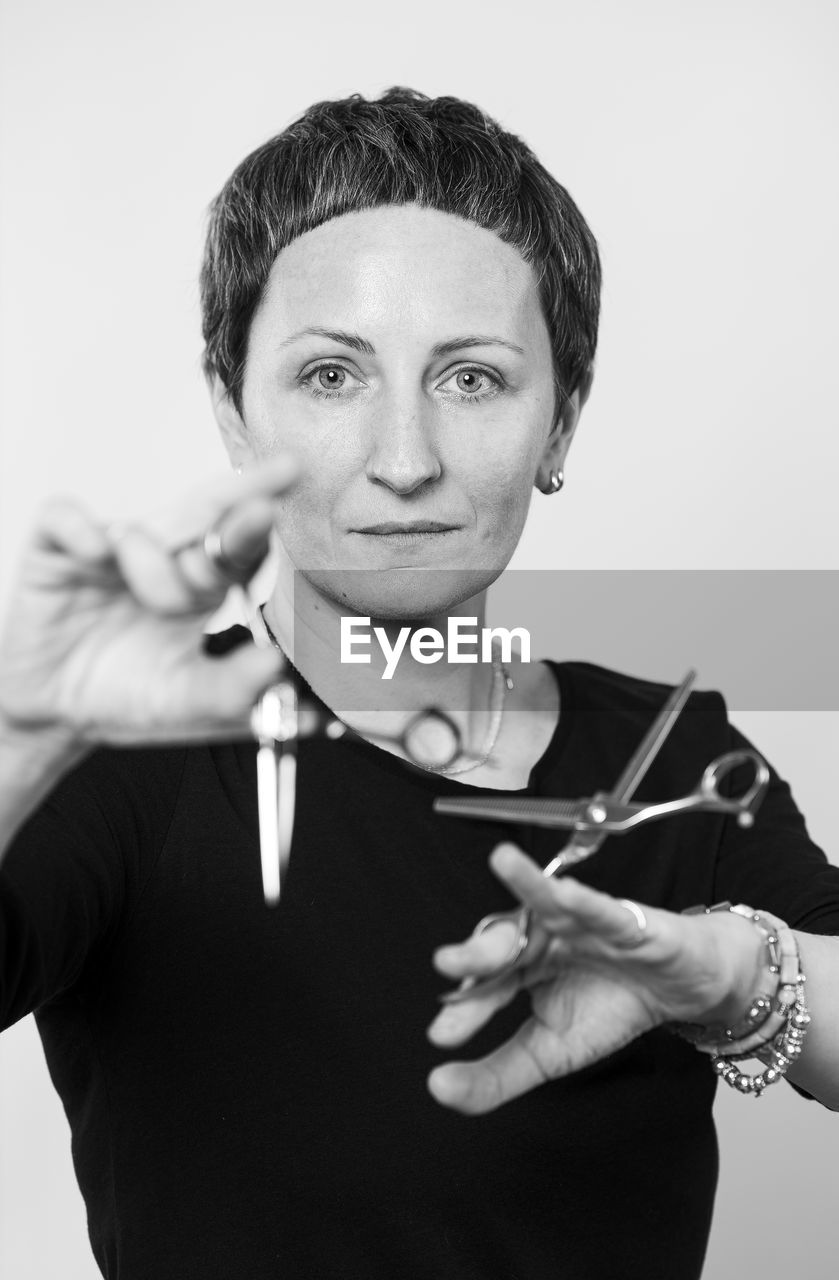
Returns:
(115,786)
(600,689)
(607,713)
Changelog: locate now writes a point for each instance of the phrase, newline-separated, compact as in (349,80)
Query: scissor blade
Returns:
(287,779)
(652,741)
(539,812)
(268,793)
(582,844)
(533,812)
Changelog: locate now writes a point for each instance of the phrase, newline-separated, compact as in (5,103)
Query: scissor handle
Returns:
(474,986)
(274,717)
(746,804)
(287,712)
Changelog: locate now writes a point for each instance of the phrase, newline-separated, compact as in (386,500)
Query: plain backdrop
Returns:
(700,142)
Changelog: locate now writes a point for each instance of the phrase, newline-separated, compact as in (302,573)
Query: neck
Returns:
(377,696)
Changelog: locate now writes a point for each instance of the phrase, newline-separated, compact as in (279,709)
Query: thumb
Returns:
(228,687)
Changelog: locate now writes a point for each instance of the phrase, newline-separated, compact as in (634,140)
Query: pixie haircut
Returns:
(403,148)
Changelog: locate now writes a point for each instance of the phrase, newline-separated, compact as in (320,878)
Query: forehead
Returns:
(404,267)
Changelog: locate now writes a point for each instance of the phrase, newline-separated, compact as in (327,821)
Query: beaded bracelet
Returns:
(775,1024)
(778,1056)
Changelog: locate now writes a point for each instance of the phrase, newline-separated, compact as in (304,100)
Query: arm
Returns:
(31,763)
(104,644)
(817,1070)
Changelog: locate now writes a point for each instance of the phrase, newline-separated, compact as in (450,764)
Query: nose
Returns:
(403,454)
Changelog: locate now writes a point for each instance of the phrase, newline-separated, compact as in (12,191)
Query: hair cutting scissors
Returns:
(606,813)
(288,711)
(274,723)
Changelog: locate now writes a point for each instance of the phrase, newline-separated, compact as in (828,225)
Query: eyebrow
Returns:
(440,349)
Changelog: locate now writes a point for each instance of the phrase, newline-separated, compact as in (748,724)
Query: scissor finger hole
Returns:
(504,941)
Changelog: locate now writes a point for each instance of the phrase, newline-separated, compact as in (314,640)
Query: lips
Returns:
(393,527)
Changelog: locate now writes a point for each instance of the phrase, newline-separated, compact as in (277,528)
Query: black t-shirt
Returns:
(246,1086)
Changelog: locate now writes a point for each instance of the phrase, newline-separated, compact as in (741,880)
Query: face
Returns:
(402,354)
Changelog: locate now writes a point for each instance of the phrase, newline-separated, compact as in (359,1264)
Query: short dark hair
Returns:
(403,148)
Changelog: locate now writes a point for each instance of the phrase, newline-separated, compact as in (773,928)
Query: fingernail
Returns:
(440,1025)
(437,1084)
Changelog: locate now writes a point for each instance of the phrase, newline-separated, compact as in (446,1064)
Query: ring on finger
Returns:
(640,921)
(215,553)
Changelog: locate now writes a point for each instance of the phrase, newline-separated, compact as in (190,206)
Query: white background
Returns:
(700,142)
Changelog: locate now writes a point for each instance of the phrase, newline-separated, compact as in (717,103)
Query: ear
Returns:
(559,441)
(230,424)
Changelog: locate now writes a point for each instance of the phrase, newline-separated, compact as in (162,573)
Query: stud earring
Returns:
(239,469)
(557,480)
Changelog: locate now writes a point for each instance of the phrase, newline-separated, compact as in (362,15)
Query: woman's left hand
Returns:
(595,982)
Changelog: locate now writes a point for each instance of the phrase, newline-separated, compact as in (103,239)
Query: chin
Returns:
(405,595)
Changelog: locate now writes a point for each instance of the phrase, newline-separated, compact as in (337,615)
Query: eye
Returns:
(326,380)
(473,384)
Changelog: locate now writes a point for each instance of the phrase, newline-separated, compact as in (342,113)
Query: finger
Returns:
(457,1023)
(241,542)
(564,904)
(153,577)
(244,534)
(607,917)
(525,879)
(529,1058)
(213,701)
(482,953)
(229,686)
(187,523)
(64,525)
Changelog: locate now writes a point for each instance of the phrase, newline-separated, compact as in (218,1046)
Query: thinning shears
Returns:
(594,818)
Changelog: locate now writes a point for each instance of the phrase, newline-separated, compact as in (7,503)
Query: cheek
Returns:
(270,434)
(274,417)
(502,497)
(277,423)
(503,457)
(307,509)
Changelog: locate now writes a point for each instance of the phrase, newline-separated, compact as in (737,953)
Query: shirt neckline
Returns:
(548,760)
(439,782)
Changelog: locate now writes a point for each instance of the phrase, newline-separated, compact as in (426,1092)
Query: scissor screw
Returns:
(597,813)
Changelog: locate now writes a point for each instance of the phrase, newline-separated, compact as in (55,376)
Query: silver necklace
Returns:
(502,682)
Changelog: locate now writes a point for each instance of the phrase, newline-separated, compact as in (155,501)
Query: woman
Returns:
(400,297)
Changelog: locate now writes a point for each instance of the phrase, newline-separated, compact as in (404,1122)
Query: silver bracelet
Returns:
(774,1025)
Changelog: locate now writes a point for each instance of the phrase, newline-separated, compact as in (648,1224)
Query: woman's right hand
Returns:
(103,642)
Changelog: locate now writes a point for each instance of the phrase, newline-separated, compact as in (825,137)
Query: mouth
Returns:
(414,526)
(409,534)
